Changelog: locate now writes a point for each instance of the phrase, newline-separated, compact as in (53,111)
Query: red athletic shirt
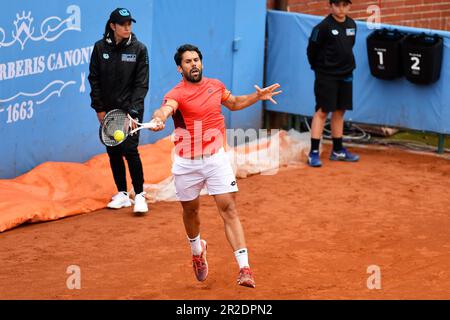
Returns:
(199,122)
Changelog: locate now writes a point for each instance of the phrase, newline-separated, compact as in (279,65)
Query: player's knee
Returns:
(229,212)
(191,212)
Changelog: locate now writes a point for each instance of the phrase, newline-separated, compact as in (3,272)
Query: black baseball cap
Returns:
(120,16)
(337,1)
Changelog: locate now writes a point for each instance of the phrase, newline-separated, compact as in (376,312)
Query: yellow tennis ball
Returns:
(119,135)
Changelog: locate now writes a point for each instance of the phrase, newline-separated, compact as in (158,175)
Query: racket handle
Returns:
(149,125)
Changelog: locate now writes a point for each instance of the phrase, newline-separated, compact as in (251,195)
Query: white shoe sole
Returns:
(125,205)
(140,210)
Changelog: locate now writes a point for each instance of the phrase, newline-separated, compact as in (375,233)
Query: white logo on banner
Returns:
(57,83)
(20,106)
(50,30)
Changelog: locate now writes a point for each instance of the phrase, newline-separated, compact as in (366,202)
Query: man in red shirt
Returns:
(195,106)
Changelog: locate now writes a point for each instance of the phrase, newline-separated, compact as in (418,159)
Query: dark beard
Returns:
(190,78)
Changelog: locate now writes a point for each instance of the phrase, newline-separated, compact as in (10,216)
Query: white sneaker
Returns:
(120,200)
(140,203)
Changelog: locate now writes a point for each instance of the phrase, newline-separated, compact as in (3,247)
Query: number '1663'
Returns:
(20,111)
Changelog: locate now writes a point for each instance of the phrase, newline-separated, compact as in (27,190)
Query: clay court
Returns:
(311,233)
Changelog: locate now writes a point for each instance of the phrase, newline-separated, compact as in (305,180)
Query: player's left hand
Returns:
(268,92)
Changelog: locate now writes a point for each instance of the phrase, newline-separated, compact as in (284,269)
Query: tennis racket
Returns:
(117,126)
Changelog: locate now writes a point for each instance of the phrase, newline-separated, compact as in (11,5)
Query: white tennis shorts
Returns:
(214,172)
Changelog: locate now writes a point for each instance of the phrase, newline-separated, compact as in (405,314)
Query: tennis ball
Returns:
(119,135)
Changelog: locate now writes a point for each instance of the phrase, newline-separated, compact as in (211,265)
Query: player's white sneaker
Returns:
(140,204)
(120,200)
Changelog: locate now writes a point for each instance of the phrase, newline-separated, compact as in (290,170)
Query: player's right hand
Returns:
(158,124)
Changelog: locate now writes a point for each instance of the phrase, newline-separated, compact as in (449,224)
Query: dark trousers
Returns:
(129,150)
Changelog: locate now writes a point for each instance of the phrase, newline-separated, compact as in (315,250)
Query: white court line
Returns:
(1,110)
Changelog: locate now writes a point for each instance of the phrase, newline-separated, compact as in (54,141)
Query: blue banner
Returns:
(45,49)
(398,102)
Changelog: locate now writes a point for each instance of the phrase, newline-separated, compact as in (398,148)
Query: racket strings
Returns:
(114,120)
(127,125)
(108,129)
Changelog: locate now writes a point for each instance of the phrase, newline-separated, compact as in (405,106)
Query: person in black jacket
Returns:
(330,54)
(119,76)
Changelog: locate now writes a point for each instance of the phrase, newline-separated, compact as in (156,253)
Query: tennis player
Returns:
(330,54)
(200,159)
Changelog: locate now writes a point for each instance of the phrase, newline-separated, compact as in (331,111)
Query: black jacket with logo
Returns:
(330,47)
(118,75)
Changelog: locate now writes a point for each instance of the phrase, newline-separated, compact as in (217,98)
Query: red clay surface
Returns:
(311,234)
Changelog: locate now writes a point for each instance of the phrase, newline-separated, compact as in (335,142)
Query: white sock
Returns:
(196,246)
(242,257)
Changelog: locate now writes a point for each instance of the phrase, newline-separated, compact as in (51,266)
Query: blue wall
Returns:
(45,112)
(397,103)
(248,54)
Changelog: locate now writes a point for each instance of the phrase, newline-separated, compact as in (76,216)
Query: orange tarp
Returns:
(55,190)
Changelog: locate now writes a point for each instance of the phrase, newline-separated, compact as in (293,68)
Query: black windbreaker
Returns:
(330,47)
(118,75)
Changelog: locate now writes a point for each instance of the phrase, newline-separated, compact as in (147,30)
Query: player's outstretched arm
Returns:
(161,115)
(235,103)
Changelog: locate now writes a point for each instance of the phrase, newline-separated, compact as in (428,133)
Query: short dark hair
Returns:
(182,49)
